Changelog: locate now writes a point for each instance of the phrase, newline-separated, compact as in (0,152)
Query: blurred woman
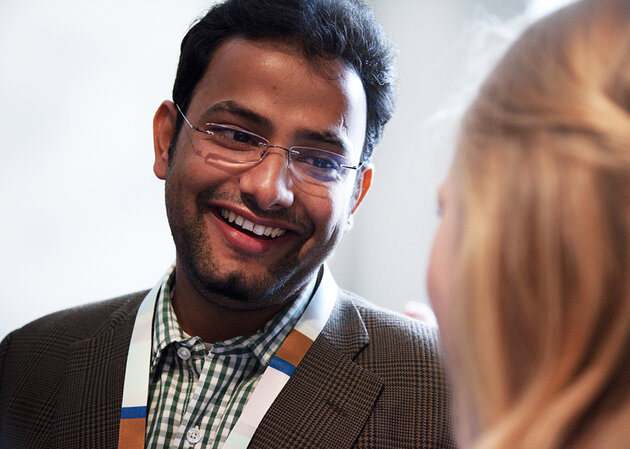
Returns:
(530,271)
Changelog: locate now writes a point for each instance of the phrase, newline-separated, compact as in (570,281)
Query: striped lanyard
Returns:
(133,416)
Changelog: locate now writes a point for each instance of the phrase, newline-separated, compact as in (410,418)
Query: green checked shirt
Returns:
(197,390)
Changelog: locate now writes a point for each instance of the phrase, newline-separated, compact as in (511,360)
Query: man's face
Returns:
(268,89)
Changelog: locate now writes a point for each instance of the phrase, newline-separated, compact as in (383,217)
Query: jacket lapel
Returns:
(91,394)
(329,397)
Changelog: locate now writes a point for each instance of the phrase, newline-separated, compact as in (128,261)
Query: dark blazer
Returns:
(372,379)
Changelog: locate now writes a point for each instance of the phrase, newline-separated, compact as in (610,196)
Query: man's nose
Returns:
(269,181)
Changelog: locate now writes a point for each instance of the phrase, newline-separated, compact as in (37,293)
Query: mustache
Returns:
(286,215)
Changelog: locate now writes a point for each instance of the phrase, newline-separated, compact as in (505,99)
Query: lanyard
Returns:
(133,414)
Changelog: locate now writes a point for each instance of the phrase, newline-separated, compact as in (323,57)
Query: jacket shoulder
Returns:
(405,354)
(50,338)
(39,360)
(394,334)
(82,321)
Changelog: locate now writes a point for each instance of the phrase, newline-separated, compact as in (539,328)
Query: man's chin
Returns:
(239,291)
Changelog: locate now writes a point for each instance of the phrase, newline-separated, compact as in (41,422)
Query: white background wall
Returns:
(82,215)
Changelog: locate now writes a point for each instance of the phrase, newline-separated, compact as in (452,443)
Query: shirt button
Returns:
(193,435)
(183,353)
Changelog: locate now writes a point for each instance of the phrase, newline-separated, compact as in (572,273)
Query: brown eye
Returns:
(232,138)
(241,137)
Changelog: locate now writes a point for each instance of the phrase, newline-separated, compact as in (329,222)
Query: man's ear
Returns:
(163,132)
(364,181)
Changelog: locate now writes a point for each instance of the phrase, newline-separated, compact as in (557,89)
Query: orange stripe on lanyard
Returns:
(131,435)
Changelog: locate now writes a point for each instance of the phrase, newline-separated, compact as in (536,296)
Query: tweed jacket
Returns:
(372,379)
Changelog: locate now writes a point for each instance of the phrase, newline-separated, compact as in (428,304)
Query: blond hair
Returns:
(539,337)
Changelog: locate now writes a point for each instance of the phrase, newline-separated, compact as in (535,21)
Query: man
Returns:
(247,341)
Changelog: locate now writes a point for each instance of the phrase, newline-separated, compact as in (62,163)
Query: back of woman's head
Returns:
(540,326)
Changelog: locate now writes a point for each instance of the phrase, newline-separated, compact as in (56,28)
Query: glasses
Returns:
(231,145)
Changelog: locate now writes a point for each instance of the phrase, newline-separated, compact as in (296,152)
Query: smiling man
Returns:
(227,186)
(246,341)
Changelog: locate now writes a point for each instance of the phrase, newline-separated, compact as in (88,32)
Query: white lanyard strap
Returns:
(133,414)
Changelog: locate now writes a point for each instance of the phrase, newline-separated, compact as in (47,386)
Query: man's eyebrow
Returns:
(327,137)
(232,107)
(236,109)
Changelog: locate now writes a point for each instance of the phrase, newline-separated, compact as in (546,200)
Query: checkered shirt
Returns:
(198,390)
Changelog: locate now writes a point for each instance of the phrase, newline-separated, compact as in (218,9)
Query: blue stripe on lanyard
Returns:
(133,412)
(282,366)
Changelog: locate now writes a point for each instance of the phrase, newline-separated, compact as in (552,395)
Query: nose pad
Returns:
(269,182)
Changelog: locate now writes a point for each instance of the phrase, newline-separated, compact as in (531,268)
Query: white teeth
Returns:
(232,217)
(277,233)
(259,230)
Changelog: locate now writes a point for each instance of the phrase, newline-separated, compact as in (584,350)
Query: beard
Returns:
(238,288)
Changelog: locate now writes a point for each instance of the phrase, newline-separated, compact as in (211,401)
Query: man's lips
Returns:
(260,230)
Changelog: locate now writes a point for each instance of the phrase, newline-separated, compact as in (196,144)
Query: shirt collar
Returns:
(263,344)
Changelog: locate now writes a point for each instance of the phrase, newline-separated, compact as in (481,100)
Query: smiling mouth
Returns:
(242,224)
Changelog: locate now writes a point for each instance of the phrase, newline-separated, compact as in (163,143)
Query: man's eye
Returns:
(316,160)
(241,136)
(322,162)
(233,138)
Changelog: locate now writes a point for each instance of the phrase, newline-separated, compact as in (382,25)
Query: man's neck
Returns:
(199,316)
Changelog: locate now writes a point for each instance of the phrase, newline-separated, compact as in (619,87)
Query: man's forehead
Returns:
(325,65)
(235,84)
